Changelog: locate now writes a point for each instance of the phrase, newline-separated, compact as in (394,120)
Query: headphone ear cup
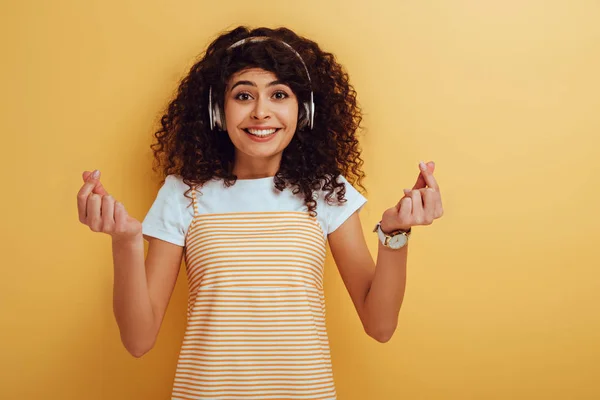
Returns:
(218,117)
(211,111)
(215,116)
(304,115)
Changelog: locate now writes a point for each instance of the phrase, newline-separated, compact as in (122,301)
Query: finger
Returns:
(94,215)
(405,213)
(82,205)
(82,197)
(417,207)
(108,214)
(439,209)
(430,197)
(420,183)
(98,188)
(428,177)
(120,216)
(86,175)
(406,194)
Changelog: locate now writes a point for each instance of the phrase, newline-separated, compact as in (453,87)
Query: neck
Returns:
(255,168)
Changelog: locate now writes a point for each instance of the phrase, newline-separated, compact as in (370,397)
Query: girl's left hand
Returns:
(419,206)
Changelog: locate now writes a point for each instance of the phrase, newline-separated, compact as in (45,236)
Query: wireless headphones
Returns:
(217,116)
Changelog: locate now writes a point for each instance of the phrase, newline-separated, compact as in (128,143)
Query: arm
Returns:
(142,290)
(377,291)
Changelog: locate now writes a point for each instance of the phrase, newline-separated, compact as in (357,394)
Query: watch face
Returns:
(397,241)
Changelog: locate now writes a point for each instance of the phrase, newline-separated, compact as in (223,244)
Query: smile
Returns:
(262,135)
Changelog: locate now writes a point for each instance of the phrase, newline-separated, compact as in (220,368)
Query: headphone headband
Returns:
(264,38)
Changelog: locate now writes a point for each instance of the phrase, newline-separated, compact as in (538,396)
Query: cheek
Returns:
(290,116)
(233,113)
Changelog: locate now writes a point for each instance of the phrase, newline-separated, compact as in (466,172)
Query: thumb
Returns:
(420,183)
(95,180)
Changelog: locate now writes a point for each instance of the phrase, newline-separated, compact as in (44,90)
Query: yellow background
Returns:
(503,294)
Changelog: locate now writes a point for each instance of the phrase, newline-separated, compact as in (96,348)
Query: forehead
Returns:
(257,75)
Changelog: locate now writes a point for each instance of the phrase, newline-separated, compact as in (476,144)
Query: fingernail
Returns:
(95,174)
(422,166)
(406,191)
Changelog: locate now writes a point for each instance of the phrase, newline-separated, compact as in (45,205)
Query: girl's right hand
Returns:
(99,210)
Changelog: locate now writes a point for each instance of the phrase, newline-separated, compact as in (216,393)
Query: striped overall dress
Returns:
(256,308)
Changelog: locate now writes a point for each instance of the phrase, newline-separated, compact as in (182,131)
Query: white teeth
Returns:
(261,132)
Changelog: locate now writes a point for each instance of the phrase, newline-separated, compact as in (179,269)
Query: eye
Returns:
(280,95)
(243,96)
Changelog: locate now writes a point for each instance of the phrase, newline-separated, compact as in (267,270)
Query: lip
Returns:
(262,127)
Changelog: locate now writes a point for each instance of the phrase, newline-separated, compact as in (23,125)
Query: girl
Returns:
(260,155)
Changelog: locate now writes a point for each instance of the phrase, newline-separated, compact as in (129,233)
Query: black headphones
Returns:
(217,116)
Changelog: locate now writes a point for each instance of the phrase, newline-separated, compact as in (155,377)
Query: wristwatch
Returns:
(394,240)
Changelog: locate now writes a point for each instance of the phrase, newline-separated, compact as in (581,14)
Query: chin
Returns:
(261,153)
(263,148)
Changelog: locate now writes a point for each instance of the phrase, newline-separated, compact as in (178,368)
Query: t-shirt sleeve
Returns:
(338,214)
(164,219)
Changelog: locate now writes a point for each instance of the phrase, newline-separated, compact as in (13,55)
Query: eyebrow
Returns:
(250,83)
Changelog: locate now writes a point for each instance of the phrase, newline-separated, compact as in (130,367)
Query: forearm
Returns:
(384,299)
(131,300)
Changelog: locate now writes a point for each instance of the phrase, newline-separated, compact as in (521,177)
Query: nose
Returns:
(261,109)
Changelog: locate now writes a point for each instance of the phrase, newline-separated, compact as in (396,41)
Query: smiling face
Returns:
(261,114)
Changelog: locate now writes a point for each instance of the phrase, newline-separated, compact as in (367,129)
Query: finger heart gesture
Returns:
(419,206)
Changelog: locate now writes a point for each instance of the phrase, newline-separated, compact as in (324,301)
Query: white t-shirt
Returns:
(171,213)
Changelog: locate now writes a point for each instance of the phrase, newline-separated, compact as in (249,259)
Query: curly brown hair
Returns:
(313,160)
